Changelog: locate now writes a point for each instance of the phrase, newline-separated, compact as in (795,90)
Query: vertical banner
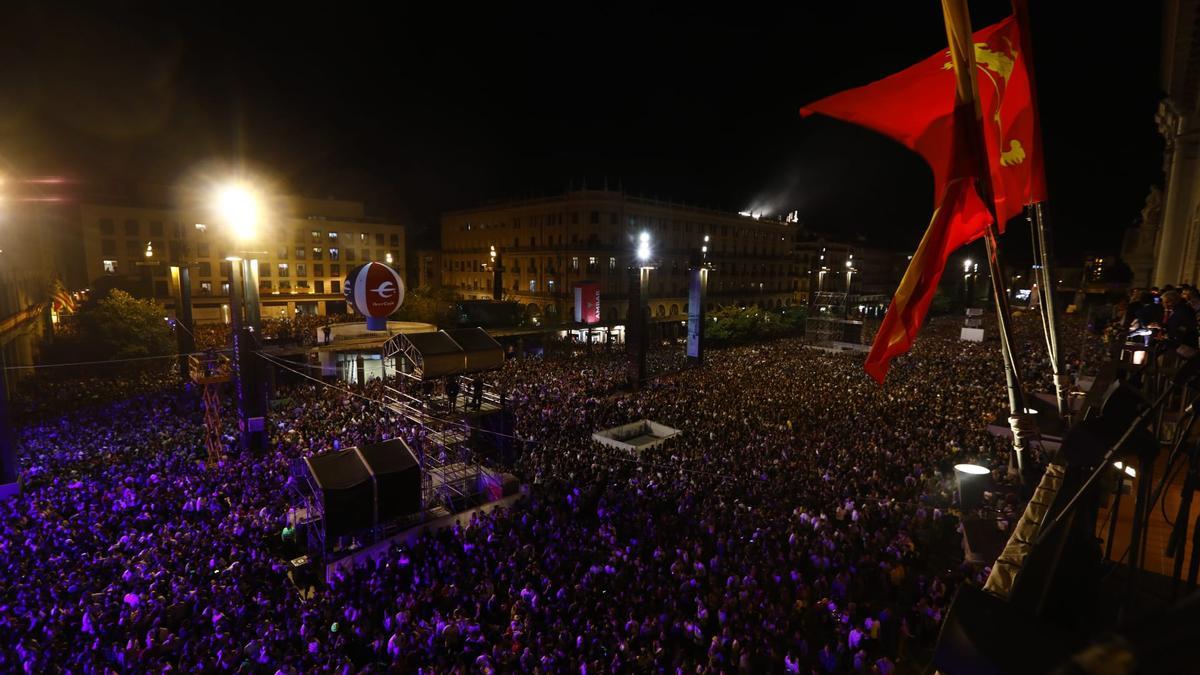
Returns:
(587,302)
(697,296)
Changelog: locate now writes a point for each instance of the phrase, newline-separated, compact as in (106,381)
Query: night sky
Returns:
(421,112)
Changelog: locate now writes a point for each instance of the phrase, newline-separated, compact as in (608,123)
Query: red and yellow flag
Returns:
(929,108)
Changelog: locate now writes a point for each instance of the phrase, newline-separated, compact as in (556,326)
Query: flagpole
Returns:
(1049,310)
(968,114)
(1042,241)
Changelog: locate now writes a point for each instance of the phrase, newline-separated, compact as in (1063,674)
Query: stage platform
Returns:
(436,519)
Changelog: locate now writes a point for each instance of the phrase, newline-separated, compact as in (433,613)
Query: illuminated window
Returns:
(316,236)
(300,252)
(301,270)
(110,266)
(575,263)
(317,252)
(612,264)
(533,285)
(550,285)
(334,254)
(205,288)
(283,269)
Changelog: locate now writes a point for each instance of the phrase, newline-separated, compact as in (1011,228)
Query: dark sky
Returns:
(420,112)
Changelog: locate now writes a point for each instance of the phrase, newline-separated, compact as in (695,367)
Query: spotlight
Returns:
(972,481)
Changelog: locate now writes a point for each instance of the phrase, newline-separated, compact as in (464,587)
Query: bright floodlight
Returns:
(973,469)
(967,265)
(643,248)
(238,207)
(849,263)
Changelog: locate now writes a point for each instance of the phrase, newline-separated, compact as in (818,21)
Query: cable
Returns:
(92,363)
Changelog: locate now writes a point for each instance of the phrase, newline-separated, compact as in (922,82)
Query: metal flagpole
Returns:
(1042,243)
(962,53)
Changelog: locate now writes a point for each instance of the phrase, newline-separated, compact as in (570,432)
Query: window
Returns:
(283,253)
(333,238)
(283,269)
(264,270)
(348,238)
(264,285)
(204,269)
(316,237)
(156,228)
(394,240)
(349,254)
(317,253)
(108,246)
(134,249)
(364,238)
(285,287)
(595,218)
(300,253)
(110,266)
(319,269)
(131,228)
(533,285)
(301,270)
(302,285)
(574,263)
(106,226)
(333,254)
(205,288)
(550,285)
(320,284)
(379,239)
(612,264)
(225,288)
(202,251)
(335,270)
(226,269)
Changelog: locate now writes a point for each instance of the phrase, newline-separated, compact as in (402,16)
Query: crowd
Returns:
(801,523)
(301,329)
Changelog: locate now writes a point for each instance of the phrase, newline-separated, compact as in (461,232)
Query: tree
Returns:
(120,326)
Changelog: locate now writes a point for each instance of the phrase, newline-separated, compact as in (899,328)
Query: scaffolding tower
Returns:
(449,469)
(210,372)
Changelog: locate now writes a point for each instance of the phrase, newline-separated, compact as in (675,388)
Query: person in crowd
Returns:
(798,528)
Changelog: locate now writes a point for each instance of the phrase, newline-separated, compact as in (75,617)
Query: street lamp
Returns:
(643,248)
(850,270)
(239,210)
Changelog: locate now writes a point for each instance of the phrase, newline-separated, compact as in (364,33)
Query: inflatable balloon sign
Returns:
(375,291)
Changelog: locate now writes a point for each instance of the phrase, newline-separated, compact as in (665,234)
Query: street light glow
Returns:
(967,265)
(239,208)
(643,248)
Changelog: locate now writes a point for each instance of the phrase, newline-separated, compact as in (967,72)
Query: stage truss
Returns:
(210,373)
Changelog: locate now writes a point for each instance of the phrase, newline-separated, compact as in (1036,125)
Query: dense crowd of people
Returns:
(801,523)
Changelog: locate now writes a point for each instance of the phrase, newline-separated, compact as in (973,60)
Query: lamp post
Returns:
(147,263)
(497,273)
(636,328)
(850,270)
(697,297)
(239,210)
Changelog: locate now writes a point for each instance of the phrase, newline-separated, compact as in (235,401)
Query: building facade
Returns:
(1177,238)
(547,245)
(304,250)
(850,277)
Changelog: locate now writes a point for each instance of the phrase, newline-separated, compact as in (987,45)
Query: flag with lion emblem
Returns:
(916,107)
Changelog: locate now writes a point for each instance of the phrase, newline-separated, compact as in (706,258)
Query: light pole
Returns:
(239,210)
(850,270)
(497,273)
(697,297)
(636,329)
